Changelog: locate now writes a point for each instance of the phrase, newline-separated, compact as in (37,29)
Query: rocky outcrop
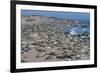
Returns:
(44,39)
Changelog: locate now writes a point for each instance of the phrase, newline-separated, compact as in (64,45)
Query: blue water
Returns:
(61,15)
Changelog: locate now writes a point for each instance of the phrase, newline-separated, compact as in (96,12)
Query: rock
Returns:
(24,49)
(48,47)
(55,42)
(63,56)
(53,50)
(48,57)
(67,59)
(78,56)
(32,46)
(41,55)
(83,50)
(60,57)
(52,53)
(40,49)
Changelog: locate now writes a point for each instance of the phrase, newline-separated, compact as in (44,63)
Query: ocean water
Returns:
(57,14)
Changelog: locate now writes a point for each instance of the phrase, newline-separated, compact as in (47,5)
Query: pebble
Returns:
(52,53)
(40,50)
(49,57)
(67,59)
